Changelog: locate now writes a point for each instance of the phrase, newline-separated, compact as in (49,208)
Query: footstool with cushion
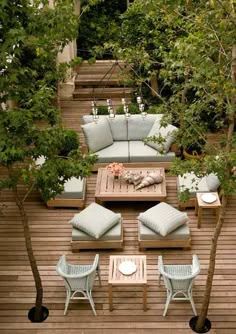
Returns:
(163,226)
(96,227)
(194,184)
(72,196)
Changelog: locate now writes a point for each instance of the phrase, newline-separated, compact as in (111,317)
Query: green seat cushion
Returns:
(180,233)
(213,182)
(166,133)
(95,220)
(192,183)
(118,151)
(98,134)
(73,188)
(163,218)
(118,125)
(114,233)
(139,126)
(139,152)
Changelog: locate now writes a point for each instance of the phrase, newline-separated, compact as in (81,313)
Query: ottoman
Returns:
(163,226)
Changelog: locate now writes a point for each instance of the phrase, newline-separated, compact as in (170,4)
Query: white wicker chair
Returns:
(78,280)
(178,281)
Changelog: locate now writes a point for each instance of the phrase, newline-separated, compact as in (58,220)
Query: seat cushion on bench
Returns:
(139,126)
(114,233)
(95,220)
(163,218)
(73,188)
(118,151)
(193,183)
(181,233)
(118,125)
(98,134)
(139,152)
(166,133)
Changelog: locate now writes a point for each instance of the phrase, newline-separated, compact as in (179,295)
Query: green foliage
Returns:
(93,29)
(32,35)
(133,109)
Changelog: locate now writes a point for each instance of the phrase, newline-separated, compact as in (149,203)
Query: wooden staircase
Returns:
(102,80)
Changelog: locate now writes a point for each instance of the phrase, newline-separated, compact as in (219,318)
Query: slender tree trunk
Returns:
(211,269)
(231,118)
(30,253)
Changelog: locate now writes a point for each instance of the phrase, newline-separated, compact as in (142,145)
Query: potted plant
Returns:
(195,149)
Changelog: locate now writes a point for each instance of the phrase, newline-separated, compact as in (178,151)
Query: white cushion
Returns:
(139,126)
(167,133)
(192,183)
(95,220)
(163,218)
(212,182)
(118,125)
(98,134)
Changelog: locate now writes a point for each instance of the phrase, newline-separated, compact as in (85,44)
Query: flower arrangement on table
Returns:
(116,168)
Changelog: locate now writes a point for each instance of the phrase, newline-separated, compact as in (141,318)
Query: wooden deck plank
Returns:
(51,236)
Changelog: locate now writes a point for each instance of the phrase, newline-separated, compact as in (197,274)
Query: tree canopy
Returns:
(32,34)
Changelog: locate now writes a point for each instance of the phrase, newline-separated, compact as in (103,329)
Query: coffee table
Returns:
(200,204)
(110,189)
(116,278)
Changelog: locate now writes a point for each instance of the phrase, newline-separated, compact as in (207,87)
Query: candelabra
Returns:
(111,111)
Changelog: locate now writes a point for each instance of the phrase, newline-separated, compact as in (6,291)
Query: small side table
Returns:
(200,204)
(116,278)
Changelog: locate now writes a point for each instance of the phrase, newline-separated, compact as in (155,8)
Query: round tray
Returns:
(127,267)
(209,198)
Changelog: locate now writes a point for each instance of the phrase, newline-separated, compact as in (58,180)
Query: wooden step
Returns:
(102,93)
(96,80)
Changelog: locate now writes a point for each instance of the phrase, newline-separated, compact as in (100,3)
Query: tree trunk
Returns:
(30,253)
(231,118)
(211,269)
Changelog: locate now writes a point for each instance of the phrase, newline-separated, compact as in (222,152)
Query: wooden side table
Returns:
(200,204)
(116,278)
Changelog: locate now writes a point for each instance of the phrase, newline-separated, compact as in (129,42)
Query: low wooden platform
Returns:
(51,236)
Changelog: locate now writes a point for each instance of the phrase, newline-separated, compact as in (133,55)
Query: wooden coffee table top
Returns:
(139,277)
(110,189)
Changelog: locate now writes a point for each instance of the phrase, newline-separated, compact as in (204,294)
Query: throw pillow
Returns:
(98,134)
(212,182)
(163,218)
(95,220)
(166,135)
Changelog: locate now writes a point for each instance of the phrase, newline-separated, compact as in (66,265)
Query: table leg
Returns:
(110,297)
(199,217)
(196,207)
(145,297)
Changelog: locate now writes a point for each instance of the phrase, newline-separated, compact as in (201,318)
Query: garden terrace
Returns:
(51,235)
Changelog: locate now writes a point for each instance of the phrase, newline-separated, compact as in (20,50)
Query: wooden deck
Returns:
(51,236)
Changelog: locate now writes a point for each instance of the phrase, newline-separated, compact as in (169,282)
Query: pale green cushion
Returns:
(212,182)
(180,233)
(163,218)
(139,126)
(167,133)
(95,220)
(140,152)
(73,188)
(115,233)
(118,151)
(98,134)
(118,125)
(192,183)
